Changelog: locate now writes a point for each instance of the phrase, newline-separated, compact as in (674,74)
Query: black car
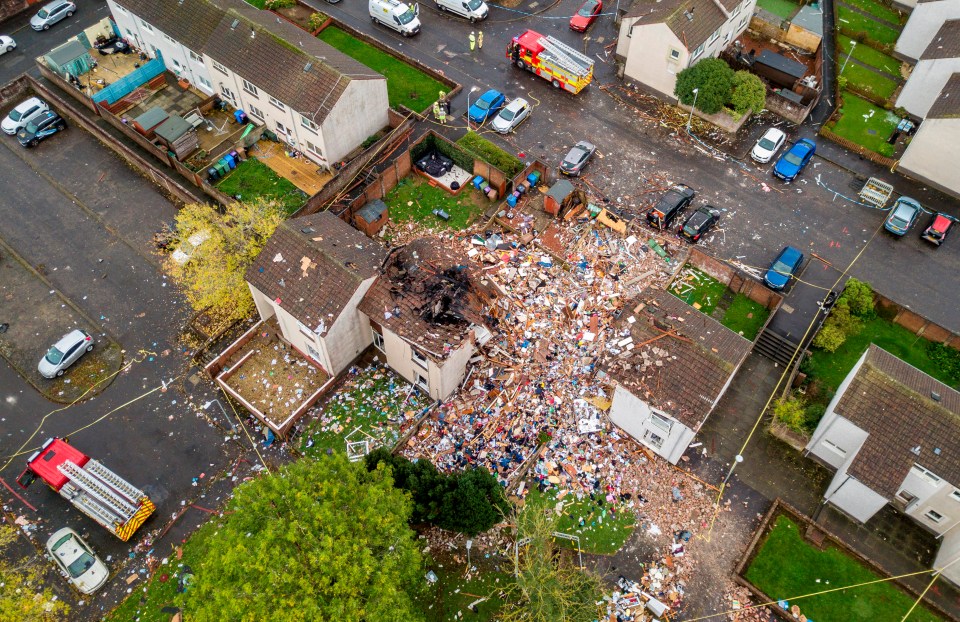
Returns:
(698,223)
(670,204)
(45,125)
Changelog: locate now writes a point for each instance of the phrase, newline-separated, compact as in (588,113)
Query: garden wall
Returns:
(722,119)
(914,322)
(9,8)
(737,281)
(773,27)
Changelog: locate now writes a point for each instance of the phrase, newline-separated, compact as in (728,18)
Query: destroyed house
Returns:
(669,364)
(310,276)
(426,314)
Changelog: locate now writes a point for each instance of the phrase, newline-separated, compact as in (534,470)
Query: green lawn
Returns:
(781,8)
(869,81)
(871,132)
(850,20)
(745,316)
(253,179)
(452,594)
(482,148)
(406,84)
(786,567)
(257,3)
(696,287)
(599,530)
(414,199)
(375,400)
(879,9)
(868,55)
(831,368)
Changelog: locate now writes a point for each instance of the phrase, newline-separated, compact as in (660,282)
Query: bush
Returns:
(316,20)
(749,93)
(791,414)
(947,358)
(812,414)
(279,4)
(838,326)
(859,296)
(714,80)
(488,152)
(829,338)
(473,503)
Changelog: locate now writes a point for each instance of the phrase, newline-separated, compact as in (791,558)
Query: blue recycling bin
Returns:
(240,116)
(533,178)
(478,182)
(229,161)
(512,200)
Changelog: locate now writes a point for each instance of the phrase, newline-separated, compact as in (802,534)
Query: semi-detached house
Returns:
(314,97)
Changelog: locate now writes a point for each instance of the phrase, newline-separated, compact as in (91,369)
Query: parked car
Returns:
(7,44)
(786,264)
(75,559)
(938,229)
(577,158)
(902,216)
(46,124)
(793,162)
(587,14)
(768,145)
(699,223)
(670,205)
(486,106)
(25,112)
(51,14)
(65,353)
(512,115)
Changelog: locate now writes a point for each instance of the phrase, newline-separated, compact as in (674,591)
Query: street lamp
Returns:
(473,89)
(469,544)
(853,45)
(690,117)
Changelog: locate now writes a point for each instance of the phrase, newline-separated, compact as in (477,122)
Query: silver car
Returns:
(65,353)
(24,113)
(51,14)
(512,115)
(75,559)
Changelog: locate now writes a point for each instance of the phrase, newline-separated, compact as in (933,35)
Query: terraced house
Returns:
(313,97)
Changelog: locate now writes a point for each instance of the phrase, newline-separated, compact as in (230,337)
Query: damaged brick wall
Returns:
(9,8)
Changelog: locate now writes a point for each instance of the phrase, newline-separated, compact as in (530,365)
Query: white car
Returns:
(768,145)
(65,353)
(7,44)
(24,113)
(75,559)
(512,115)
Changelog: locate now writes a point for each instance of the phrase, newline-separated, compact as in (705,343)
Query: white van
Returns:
(396,15)
(474,10)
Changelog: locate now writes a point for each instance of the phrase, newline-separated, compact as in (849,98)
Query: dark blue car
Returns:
(486,106)
(784,266)
(792,162)
(46,124)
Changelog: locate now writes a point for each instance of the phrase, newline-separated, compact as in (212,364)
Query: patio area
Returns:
(304,173)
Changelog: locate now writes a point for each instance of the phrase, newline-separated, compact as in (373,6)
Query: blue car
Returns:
(486,106)
(902,216)
(46,124)
(792,162)
(784,266)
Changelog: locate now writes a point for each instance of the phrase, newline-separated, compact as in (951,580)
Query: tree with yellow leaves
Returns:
(22,595)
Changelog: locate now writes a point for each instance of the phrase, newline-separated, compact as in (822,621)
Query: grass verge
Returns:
(452,594)
(745,317)
(699,290)
(856,124)
(252,179)
(830,368)
(869,81)
(780,8)
(600,531)
(488,152)
(810,570)
(851,21)
(878,9)
(406,85)
(414,199)
(868,55)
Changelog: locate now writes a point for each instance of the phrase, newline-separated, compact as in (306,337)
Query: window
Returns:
(927,475)
(203,81)
(227,92)
(121,9)
(419,357)
(176,64)
(196,57)
(630,31)
(169,38)
(736,11)
(220,68)
(313,353)
(934,515)
(146,25)
(305,331)
(834,448)
(378,340)
(249,88)
(276,102)
(307,123)
(423,383)
(955,495)
(715,35)
(674,54)
(907,496)
(697,52)
(653,439)
(281,128)
(313,148)
(661,422)
(742,22)
(255,112)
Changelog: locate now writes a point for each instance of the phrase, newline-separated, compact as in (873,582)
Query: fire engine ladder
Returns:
(565,56)
(90,483)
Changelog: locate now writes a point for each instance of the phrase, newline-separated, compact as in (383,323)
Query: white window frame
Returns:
(204,82)
(378,342)
(653,438)
(169,38)
(276,102)
(306,332)
(736,10)
(927,474)
(121,9)
(630,30)
(195,57)
(834,447)
(307,123)
(177,64)
(250,88)
(674,55)
(697,52)
(220,68)
(313,148)
(422,382)
(313,353)
(742,23)
(664,424)
(931,518)
(146,25)
(906,496)
(715,35)
(419,358)
(955,495)
(253,110)
(226,92)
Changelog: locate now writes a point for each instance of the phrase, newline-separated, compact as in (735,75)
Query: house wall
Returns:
(632,415)
(836,429)
(925,20)
(932,155)
(931,496)
(948,554)
(350,334)
(360,113)
(441,379)
(925,83)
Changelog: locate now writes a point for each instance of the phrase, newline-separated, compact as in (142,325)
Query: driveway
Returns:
(83,218)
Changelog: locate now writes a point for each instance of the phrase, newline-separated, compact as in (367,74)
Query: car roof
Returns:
(789,254)
(69,339)
(908,201)
(942,221)
(516,103)
(773,132)
(29,103)
(491,94)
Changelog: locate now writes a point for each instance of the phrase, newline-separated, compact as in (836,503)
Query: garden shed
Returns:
(148,122)
(70,58)
(179,136)
(372,217)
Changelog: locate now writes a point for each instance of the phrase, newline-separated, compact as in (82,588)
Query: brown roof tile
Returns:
(274,59)
(704,18)
(947,104)
(891,400)
(682,375)
(340,259)
(946,43)
(437,291)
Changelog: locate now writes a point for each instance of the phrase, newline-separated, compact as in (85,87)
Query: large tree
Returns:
(713,80)
(749,92)
(23,597)
(318,540)
(221,245)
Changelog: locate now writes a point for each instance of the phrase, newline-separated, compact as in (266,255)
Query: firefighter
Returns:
(473,41)
(443,113)
(515,53)
(436,110)
(480,39)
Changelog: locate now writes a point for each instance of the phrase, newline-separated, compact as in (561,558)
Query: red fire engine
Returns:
(552,60)
(91,487)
